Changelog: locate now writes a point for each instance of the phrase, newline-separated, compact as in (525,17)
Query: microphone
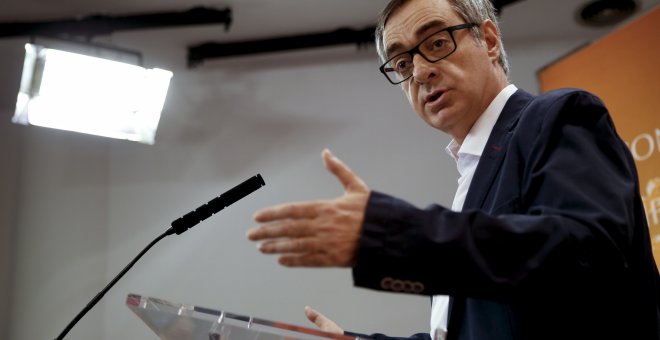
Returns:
(213,206)
(179,226)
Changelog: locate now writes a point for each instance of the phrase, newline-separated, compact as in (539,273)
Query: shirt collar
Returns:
(475,141)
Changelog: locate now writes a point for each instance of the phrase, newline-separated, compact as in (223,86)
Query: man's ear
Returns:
(491,37)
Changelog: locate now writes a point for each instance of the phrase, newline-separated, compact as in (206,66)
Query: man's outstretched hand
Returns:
(320,233)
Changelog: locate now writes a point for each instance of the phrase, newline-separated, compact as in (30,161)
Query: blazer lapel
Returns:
(488,168)
(493,154)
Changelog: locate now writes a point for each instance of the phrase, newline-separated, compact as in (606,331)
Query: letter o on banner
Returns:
(635,147)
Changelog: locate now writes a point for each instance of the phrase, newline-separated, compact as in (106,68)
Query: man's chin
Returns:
(438,123)
(436,118)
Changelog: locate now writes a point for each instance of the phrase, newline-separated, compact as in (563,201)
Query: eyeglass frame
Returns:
(415,50)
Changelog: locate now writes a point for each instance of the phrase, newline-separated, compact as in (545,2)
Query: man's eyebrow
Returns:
(390,49)
(419,32)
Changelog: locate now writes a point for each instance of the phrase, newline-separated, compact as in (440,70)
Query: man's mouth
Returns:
(432,97)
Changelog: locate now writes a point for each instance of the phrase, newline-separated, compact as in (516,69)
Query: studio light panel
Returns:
(87,94)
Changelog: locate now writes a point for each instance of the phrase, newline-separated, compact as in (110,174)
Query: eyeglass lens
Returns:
(433,48)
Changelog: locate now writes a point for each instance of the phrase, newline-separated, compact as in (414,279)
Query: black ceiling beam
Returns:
(198,53)
(103,25)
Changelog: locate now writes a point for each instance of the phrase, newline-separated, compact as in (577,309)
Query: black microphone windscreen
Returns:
(228,198)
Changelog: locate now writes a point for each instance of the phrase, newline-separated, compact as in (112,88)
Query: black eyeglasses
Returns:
(433,48)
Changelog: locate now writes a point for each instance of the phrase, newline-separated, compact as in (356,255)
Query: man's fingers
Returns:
(313,315)
(285,228)
(293,245)
(288,210)
(322,322)
(349,180)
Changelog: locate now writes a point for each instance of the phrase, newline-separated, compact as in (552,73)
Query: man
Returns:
(546,238)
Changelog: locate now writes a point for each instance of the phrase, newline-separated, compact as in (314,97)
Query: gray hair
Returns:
(469,10)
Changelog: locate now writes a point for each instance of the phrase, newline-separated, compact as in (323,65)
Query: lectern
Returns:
(177,321)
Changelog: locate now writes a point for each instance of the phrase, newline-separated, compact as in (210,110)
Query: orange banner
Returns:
(622,69)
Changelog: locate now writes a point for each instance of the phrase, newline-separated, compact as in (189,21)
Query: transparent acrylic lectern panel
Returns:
(178,321)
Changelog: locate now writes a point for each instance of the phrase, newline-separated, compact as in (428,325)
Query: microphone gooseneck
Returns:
(178,226)
(100,295)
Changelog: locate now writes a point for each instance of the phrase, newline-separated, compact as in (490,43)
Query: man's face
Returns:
(449,94)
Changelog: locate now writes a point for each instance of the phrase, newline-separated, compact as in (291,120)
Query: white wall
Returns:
(84,206)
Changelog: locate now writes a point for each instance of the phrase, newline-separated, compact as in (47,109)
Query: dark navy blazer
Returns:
(552,242)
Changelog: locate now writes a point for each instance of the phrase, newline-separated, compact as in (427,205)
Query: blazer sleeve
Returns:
(574,220)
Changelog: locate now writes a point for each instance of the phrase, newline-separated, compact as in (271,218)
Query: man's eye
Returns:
(438,43)
(401,64)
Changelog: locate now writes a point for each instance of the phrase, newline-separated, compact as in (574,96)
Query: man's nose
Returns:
(423,70)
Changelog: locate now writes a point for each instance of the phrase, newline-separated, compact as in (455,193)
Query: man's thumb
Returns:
(349,180)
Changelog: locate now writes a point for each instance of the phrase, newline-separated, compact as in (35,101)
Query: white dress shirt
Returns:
(467,157)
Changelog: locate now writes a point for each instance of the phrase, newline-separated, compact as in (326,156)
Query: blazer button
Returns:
(386,283)
(397,285)
(417,287)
